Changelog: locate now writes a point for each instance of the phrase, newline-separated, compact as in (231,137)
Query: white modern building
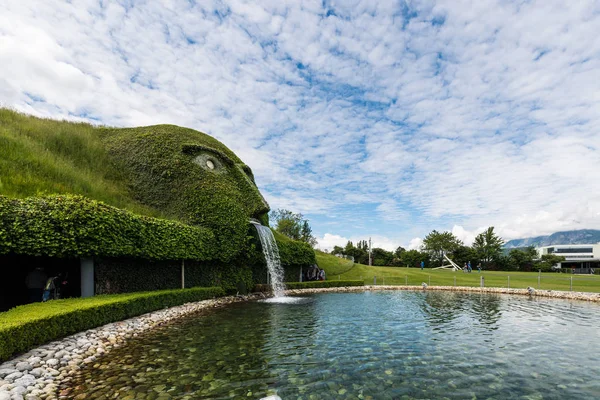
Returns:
(582,257)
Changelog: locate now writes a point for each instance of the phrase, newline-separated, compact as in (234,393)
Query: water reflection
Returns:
(349,345)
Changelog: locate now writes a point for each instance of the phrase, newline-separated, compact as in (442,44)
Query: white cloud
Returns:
(467,237)
(328,241)
(415,244)
(455,113)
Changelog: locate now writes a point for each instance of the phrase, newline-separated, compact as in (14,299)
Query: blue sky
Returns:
(381,119)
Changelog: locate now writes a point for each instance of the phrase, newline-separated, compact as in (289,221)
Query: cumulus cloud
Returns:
(415,244)
(328,241)
(396,117)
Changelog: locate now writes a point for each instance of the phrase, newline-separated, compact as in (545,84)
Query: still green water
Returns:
(383,345)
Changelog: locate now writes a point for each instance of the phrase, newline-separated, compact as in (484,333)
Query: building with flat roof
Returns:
(584,258)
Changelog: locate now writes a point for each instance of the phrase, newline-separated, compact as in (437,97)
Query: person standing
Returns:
(469,267)
(479,267)
(422,265)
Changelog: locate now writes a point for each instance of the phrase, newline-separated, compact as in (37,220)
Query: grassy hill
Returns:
(43,156)
(333,265)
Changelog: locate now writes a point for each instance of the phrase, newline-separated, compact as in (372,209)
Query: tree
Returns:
(337,250)
(349,248)
(547,261)
(522,259)
(436,244)
(464,254)
(287,223)
(382,257)
(399,251)
(306,234)
(488,245)
(413,258)
(293,225)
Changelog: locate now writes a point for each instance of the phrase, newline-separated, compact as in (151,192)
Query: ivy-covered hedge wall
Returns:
(205,192)
(293,255)
(74,226)
(125,275)
(136,253)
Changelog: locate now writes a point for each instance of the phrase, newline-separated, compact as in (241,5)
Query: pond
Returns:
(371,345)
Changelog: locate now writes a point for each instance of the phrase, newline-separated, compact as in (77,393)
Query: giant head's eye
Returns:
(209,162)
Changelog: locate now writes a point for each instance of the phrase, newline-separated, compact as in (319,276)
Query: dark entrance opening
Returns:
(16,269)
(581,267)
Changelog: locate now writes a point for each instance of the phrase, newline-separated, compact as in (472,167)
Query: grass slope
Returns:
(43,156)
(518,280)
(333,265)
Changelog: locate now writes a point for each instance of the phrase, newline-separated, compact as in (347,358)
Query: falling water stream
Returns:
(271,252)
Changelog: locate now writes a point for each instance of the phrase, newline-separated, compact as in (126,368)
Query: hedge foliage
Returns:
(25,327)
(74,226)
(294,252)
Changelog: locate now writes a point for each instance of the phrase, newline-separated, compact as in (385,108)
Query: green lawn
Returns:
(44,156)
(414,276)
(333,265)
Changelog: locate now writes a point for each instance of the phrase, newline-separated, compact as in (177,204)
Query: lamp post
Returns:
(370,252)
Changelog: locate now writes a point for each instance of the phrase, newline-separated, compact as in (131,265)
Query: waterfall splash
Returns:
(271,252)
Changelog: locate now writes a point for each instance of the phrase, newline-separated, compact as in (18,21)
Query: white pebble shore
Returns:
(585,296)
(40,373)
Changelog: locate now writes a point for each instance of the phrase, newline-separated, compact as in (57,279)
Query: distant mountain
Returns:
(583,236)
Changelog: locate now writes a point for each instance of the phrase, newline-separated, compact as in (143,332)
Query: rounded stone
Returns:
(24,366)
(7,371)
(13,376)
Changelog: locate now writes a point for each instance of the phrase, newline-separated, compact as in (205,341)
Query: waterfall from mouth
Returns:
(271,252)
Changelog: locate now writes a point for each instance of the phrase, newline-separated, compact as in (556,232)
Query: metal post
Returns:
(508,281)
(374,280)
(481,281)
(539,278)
(571,289)
(406,279)
(182,274)
(369,252)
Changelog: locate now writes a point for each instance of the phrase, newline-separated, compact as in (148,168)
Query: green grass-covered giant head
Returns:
(191,176)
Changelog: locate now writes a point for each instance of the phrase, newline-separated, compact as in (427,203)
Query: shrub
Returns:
(31,325)
(74,226)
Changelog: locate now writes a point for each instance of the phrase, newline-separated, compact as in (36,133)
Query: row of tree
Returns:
(487,249)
